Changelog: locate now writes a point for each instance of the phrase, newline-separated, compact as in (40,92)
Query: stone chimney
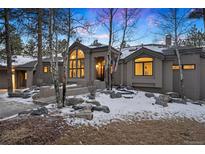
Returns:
(168,40)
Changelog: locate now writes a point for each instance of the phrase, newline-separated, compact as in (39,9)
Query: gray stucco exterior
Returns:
(163,79)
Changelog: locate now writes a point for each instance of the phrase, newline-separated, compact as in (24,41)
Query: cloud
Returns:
(101,36)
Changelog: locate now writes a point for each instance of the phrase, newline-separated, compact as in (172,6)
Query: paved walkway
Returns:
(9,108)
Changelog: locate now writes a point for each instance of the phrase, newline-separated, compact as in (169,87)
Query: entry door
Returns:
(100,68)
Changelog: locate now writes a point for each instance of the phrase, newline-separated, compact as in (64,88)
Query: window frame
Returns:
(143,65)
(176,65)
(76,60)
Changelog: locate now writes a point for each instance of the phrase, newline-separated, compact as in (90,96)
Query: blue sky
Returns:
(145,27)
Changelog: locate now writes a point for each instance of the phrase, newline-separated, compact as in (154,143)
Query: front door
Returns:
(21,79)
(100,68)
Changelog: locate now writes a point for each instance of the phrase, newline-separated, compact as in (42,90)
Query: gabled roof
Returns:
(144,51)
(92,48)
(18,60)
(135,50)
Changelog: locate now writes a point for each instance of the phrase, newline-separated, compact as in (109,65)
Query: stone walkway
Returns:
(9,108)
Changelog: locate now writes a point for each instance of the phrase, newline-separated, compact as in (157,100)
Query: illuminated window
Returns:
(189,67)
(143,66)
(45,69)
(26,76)
(175,67)
(76,64)
(185,67)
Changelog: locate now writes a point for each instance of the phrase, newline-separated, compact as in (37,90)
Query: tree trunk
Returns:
(8,51)
(178,56)
(203,15)
(65,59)
(54,64)
(109,51)
(39,67)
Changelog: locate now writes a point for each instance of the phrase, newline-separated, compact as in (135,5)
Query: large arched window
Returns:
(144,66)
(76,65)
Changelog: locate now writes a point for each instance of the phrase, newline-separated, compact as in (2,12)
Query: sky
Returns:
(145,29)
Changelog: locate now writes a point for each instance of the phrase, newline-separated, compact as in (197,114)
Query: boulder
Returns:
(26,95)
(149,95)
(130,88)
(120,87)
(86,107)
(91,96)
(173,94)
(73,101)
(84,115)
(165,98)
(107,92)
(160,102)
(101,108)
(128,97)
(78,107)
(178,100)
(94,102)
(39,111)
(126,92)
(115,95)
(35,96)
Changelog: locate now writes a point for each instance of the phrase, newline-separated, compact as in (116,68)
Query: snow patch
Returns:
(139,107)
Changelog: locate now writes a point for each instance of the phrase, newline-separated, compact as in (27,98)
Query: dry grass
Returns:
(53,130)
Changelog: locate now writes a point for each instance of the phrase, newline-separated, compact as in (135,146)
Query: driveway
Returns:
(9,107)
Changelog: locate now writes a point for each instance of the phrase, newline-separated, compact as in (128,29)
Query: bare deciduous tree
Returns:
(107,17)
(72,24)
(129,19)
(54,60)
(176,23)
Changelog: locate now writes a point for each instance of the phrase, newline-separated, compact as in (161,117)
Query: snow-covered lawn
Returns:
(139,107)
(4,97)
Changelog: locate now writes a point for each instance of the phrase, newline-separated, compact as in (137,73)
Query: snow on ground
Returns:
(140,107)
(4,97)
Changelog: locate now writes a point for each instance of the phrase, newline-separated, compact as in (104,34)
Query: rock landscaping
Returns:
(94,102)
(115,95)
(149,95)
(173,94)
(73,101)
(35,112)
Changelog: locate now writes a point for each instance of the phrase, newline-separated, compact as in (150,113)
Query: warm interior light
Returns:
(13,79)
(145,59)
(25,76)
(175,67)
(143,66)
(45,69)
(188,67)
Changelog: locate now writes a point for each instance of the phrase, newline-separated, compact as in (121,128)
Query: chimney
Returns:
(168,40)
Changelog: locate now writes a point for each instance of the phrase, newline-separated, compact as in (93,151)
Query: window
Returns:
(45,69)
(143,66)
(26,76)
(76,64)
(184,67)
(189,67)
(175,67)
